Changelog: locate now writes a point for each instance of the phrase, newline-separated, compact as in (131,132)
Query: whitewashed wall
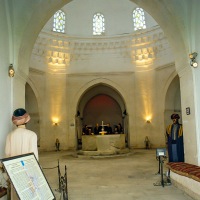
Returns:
(5,80)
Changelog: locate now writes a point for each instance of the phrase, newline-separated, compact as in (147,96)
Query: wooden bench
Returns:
(186,177)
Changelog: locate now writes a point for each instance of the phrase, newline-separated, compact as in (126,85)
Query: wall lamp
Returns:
(11,71)
(148,119)
(55,121)
(193,61)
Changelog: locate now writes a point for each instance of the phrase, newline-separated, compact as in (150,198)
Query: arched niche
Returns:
(100,109)
(99,89)
(98,103)
(172,100)
(31,106)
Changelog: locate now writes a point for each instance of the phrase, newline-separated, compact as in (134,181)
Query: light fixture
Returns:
(148,119)
(193,55)
(193,61)
(194,64)
(11,71)
(55,121)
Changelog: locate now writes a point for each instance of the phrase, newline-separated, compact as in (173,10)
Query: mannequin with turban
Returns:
(20,117)
(174,134)
(20,141)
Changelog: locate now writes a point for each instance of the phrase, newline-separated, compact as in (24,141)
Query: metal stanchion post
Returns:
(161,157)
(158,158)
(59,182)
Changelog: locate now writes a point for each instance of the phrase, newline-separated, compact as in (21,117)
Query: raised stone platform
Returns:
(104,153)
(103,144)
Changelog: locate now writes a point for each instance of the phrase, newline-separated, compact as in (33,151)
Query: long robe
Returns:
(174,134)
(20,141)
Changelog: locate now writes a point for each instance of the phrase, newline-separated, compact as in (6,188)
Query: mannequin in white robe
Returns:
(20,141)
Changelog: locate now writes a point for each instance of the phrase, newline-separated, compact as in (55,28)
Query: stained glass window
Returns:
(139,19)
(98,24)
(59,22)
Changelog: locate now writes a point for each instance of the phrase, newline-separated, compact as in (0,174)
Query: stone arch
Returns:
(163,15)
(100,89)
(169,81)
(162,12)
(172,99)
(99,81)
(92,89)
(32,106)
(32,85)
(36,121)
(45,10)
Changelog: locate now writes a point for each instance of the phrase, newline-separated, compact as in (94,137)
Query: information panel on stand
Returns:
(27,177)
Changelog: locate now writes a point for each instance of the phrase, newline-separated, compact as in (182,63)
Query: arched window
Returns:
(98,24)
(59,22)
(139,19)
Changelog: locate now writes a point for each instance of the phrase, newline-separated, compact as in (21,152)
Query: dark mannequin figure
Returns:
(96,129)
(85,130)
(147,142)
(57,144)
(109,129)
(119,128)
(174,135)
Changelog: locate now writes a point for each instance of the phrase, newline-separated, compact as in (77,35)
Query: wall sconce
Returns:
(193,61)
(148,120)
(55,121)
(11,71)
(78,114)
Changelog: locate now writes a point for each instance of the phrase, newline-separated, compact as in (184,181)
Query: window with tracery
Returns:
(139,19)
(98,24)
(59,21)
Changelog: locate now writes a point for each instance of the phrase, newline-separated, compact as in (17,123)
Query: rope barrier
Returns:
(49,167)
(62,181)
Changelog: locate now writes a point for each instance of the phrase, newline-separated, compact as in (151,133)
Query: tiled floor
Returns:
(128,177)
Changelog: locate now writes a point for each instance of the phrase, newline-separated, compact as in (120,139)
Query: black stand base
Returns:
(164,181)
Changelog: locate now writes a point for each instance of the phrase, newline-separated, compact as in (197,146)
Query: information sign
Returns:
(27,177)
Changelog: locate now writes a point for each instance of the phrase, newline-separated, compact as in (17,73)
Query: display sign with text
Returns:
(27,177)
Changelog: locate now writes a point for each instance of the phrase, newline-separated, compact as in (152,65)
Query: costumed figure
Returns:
(109,129)
(147,142)
(85,130)
(20,141)
(119,128)
(174,135)
(96,129)
(57,144)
